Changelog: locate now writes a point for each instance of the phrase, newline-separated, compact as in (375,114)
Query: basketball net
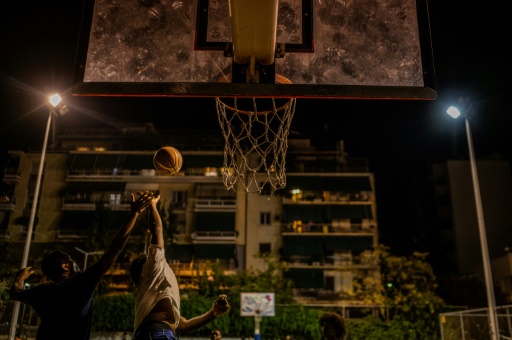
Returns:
(255,143)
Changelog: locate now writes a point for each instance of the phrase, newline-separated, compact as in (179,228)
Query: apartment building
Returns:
(323,224)
(456,220)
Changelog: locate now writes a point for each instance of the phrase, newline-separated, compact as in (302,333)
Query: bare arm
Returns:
(17,285)
(118,243)
(219,308)
(156,227)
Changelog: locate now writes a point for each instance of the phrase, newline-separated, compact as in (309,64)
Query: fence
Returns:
(474,324)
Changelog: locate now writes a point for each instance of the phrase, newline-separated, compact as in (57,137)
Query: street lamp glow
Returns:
(55,99)
(489,285)
(453,112)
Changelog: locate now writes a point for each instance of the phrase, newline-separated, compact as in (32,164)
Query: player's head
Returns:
(333,326)
(216,334)
(58,265)
(136,267)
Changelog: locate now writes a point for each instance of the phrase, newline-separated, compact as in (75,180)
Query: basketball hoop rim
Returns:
(279,109)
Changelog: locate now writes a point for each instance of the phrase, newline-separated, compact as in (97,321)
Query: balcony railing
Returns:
(5,235)
(215,204)
(12,175)
(89,204)
(214,237)
(288,229)
(330,262)
(330,198)
(71,234)
(7,203)
(213,174)
(52,236)
(73,203)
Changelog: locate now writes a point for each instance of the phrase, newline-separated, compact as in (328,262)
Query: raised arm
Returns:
(155,224)
(219,308)
(118,243)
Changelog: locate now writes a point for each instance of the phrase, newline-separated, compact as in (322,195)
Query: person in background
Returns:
(65,304)
(216,334)
(333,326)
(157,293)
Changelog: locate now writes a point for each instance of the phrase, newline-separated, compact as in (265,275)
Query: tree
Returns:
(407,285)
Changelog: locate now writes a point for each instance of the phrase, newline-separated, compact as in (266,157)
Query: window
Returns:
(265,218)
(265,248)
(115,199)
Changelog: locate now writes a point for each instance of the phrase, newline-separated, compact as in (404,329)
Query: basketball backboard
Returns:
(324,49)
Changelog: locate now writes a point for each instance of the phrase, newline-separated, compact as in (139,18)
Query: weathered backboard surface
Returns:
(363,49)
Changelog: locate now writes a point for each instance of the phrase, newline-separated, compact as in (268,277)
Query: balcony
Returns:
(12,176)
(5,235)
(209,237)
(110,174)
(327,197)
(215,204)
(115,200)
(71,235)
(332,262)
(327,229)
(78,203)
(7,203)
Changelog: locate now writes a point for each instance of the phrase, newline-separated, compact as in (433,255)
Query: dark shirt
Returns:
(65,308)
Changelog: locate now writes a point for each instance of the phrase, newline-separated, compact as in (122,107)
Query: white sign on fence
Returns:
(250,303)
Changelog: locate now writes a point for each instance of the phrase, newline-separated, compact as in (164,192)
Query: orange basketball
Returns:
(167,160)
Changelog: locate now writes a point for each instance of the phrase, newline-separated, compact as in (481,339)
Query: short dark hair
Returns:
(216,330)
(52,264)
(136,267)
(336,321)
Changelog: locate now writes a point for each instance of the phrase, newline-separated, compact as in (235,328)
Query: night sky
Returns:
(400,138)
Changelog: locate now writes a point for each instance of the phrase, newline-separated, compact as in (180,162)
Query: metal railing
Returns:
(473,324)
(214,236)
(212,204)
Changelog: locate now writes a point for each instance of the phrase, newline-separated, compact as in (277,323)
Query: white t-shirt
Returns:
(157,282)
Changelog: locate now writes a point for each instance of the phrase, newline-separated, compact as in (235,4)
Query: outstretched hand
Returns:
(220,306)
(142,202)
(155,200)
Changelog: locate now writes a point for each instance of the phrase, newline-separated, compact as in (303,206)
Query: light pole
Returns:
(87,255)
(493,320)
(55,108)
